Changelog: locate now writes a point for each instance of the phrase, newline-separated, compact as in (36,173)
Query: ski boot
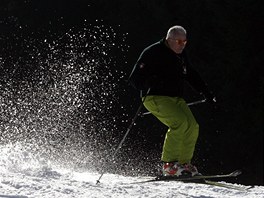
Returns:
(179,170)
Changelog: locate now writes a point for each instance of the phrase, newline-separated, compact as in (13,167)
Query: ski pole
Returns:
(127,132)
(189,104)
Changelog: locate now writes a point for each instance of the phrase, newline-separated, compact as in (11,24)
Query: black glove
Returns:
(213,106)
(209,97)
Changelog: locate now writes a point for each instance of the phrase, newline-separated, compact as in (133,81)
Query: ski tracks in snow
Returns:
(70,184)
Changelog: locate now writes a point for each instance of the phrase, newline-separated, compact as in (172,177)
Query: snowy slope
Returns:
(22,176)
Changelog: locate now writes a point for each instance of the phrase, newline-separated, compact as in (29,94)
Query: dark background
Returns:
(225,45)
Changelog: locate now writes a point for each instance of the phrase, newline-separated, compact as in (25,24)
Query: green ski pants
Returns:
(183,129)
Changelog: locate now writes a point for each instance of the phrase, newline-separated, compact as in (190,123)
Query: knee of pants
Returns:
(194,130)
(194,126)
(184,124)
(187,128)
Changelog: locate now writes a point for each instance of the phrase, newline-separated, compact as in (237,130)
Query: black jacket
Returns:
(164,71)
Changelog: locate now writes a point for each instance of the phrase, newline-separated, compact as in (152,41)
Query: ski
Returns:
(202,179)
(226,185)
(192,179)
(198,177)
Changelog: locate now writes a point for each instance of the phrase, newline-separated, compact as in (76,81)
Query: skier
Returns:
(163,67)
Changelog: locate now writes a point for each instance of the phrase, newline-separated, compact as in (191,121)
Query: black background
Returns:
(225,43)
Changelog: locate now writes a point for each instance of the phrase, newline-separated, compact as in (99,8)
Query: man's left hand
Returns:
(210,97)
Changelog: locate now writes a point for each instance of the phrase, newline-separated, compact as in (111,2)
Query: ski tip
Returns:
(159,177)
(236,173)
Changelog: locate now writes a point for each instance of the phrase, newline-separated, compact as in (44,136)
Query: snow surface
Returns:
(23,176)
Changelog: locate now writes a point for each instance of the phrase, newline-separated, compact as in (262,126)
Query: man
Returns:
(163,67)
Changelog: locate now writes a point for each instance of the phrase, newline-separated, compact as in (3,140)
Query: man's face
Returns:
(177,43)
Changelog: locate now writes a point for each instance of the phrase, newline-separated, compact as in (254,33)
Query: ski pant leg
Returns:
(183,129)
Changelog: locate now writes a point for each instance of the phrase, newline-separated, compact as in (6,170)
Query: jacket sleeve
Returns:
(195,80)
(140,73)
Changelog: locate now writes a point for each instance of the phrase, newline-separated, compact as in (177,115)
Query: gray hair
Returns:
(175,30)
